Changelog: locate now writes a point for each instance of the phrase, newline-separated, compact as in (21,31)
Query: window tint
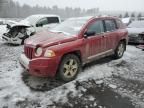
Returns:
(110,25)
(53,20)
(96,27)
(42,21)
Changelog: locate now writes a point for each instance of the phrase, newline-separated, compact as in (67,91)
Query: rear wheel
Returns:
(69,67)
(120,50)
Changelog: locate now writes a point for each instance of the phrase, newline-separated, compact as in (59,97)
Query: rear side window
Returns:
(96,27)
(110,25)
(119,24)
(53,20)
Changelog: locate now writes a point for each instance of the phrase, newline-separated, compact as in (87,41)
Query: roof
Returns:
(86,17)
(91,17)
(34,18)
(44,15)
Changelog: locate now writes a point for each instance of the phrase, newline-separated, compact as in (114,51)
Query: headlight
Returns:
(38,51)
(49,53)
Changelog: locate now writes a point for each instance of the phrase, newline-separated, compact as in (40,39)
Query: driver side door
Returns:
(96,42)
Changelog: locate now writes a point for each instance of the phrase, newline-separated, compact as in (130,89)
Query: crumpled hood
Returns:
(22,23)
(47,38)
(135,30)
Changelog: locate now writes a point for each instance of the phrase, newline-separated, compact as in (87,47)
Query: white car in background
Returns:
(3,25)
(18,32)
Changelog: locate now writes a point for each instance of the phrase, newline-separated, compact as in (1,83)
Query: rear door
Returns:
(96,42)
(111,33)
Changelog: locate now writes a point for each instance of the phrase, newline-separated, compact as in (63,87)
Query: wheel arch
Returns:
(76,52)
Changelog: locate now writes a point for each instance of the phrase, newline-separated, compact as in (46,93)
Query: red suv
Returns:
(66,48)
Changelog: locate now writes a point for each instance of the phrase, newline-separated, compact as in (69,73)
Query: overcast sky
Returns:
(120,5)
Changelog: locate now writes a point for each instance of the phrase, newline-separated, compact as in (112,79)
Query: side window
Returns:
(53,20)
(42,22)
(110,25)
(119,24)
(96,27)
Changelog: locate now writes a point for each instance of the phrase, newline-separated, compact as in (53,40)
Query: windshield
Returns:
(137,24)
(70,26)
(30,18)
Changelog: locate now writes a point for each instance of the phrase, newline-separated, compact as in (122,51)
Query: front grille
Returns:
(28,52)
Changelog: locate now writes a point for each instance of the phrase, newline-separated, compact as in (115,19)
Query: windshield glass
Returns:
(70,26)
(30,18)
(137,24)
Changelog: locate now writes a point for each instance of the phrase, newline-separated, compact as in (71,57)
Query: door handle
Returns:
(103,36)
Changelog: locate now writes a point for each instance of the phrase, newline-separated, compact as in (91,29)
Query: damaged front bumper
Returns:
(11,40)
(40,67)
(24,61)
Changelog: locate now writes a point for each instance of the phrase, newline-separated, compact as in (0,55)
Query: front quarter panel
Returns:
(68,47)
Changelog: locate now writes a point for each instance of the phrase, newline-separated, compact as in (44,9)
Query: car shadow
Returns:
(98,62)
(46,84)
(40,83)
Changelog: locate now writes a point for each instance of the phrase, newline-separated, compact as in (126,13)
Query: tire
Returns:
(69,67)
(120,50)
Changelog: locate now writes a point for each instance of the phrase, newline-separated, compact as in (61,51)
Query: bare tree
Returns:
(120,16)
(12,9)
(126,15)
(139,16)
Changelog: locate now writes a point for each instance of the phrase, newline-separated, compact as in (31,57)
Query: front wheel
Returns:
(69,67)
(120,50)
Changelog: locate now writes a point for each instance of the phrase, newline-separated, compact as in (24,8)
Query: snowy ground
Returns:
(105,83)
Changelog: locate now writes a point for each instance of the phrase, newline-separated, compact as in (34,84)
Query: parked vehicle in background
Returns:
(127,20)
(3,25)
(136,32)
(140,47)
(17,33)
(64,49)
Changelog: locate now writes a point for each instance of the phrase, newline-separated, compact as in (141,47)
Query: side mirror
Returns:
(89,33)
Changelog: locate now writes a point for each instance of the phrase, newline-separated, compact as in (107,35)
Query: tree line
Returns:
(132,15)
(12,9)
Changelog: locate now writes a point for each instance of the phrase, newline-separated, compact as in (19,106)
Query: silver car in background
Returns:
(136,32)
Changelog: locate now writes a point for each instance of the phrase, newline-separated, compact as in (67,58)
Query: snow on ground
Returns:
(12,88)
(15,91)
